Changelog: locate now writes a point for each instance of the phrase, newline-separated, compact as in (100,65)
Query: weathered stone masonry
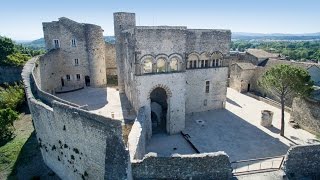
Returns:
(75,143)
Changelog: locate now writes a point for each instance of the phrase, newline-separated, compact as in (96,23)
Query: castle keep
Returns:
(77,56)
(171,70)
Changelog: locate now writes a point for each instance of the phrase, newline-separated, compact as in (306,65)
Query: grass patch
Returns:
(318,136)
(9,153)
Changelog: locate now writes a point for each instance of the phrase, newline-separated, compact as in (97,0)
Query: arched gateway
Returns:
(159,110)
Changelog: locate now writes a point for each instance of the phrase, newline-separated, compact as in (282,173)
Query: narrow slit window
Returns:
(194,64)
(76,62)
(56,43)
(205,102)
(207,86)
(68,77)
(73,43)
(78,77)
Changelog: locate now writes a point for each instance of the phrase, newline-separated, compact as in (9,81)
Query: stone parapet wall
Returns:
(10,74)
(196,166)
(45,97)
(75,143)
(303,161)
(306,112)
(138,136)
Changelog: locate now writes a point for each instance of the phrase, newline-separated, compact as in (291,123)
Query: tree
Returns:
(286,81)
(6,48)
(7,117)
(12,96)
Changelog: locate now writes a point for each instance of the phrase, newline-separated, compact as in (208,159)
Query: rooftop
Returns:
(246,66)
(261,54)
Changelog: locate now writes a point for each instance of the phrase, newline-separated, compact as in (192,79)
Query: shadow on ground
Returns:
(233,103)
(225,131)
(29,164)
(95,98)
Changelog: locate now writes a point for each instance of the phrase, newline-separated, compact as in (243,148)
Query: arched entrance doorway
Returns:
(159,108)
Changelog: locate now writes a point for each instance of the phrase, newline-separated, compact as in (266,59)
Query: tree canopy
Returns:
(294,50)
(12,54)
(284,81)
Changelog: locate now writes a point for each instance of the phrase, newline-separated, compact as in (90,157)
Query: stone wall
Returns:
(260,70)
(110,57)
(197,100)
(160,40)
(75,143)
(197,166)
(306,112)
(174,85)
(10,74)
(138,136)
(303,161)
(210,40)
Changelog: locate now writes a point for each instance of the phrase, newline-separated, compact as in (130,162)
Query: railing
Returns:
(252,166)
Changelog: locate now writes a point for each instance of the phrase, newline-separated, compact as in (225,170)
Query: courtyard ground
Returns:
(235,130)
(103,101)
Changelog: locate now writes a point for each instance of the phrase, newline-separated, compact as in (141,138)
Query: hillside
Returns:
(39,43)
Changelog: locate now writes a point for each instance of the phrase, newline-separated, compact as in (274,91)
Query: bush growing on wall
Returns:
(7,117)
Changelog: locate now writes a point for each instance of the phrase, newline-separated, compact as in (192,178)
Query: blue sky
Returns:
(21,19)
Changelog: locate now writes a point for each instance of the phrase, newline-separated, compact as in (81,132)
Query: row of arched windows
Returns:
(205,59)
(161,64)
(173,63)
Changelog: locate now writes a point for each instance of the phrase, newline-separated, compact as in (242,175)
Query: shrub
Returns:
(12,96)
(7,117)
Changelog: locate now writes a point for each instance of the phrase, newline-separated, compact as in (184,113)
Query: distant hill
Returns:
(275,36)
(39,43)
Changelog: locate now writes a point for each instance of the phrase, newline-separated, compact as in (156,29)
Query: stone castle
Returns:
(165,72)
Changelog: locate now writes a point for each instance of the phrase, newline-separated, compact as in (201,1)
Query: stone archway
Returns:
(159,110)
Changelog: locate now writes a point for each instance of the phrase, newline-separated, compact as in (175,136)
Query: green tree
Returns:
(284,81)
(6,48)
(7,117)
(11,97)
(17,59)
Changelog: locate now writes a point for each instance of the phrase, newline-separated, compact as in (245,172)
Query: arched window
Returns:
(193,59)
(161,65)
(216,59)
(204,59)
(173,65)
(147,65)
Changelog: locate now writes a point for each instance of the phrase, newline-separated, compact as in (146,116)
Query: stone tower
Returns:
(96,55)
(122,21)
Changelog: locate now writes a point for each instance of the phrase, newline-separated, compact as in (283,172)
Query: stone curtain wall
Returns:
(197,166)
(306,112)
(75,143)
(10,74)
(110,57)
(303,161)
(35,82)
(138,136)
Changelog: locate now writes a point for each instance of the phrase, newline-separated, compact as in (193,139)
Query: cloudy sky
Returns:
(21,19)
